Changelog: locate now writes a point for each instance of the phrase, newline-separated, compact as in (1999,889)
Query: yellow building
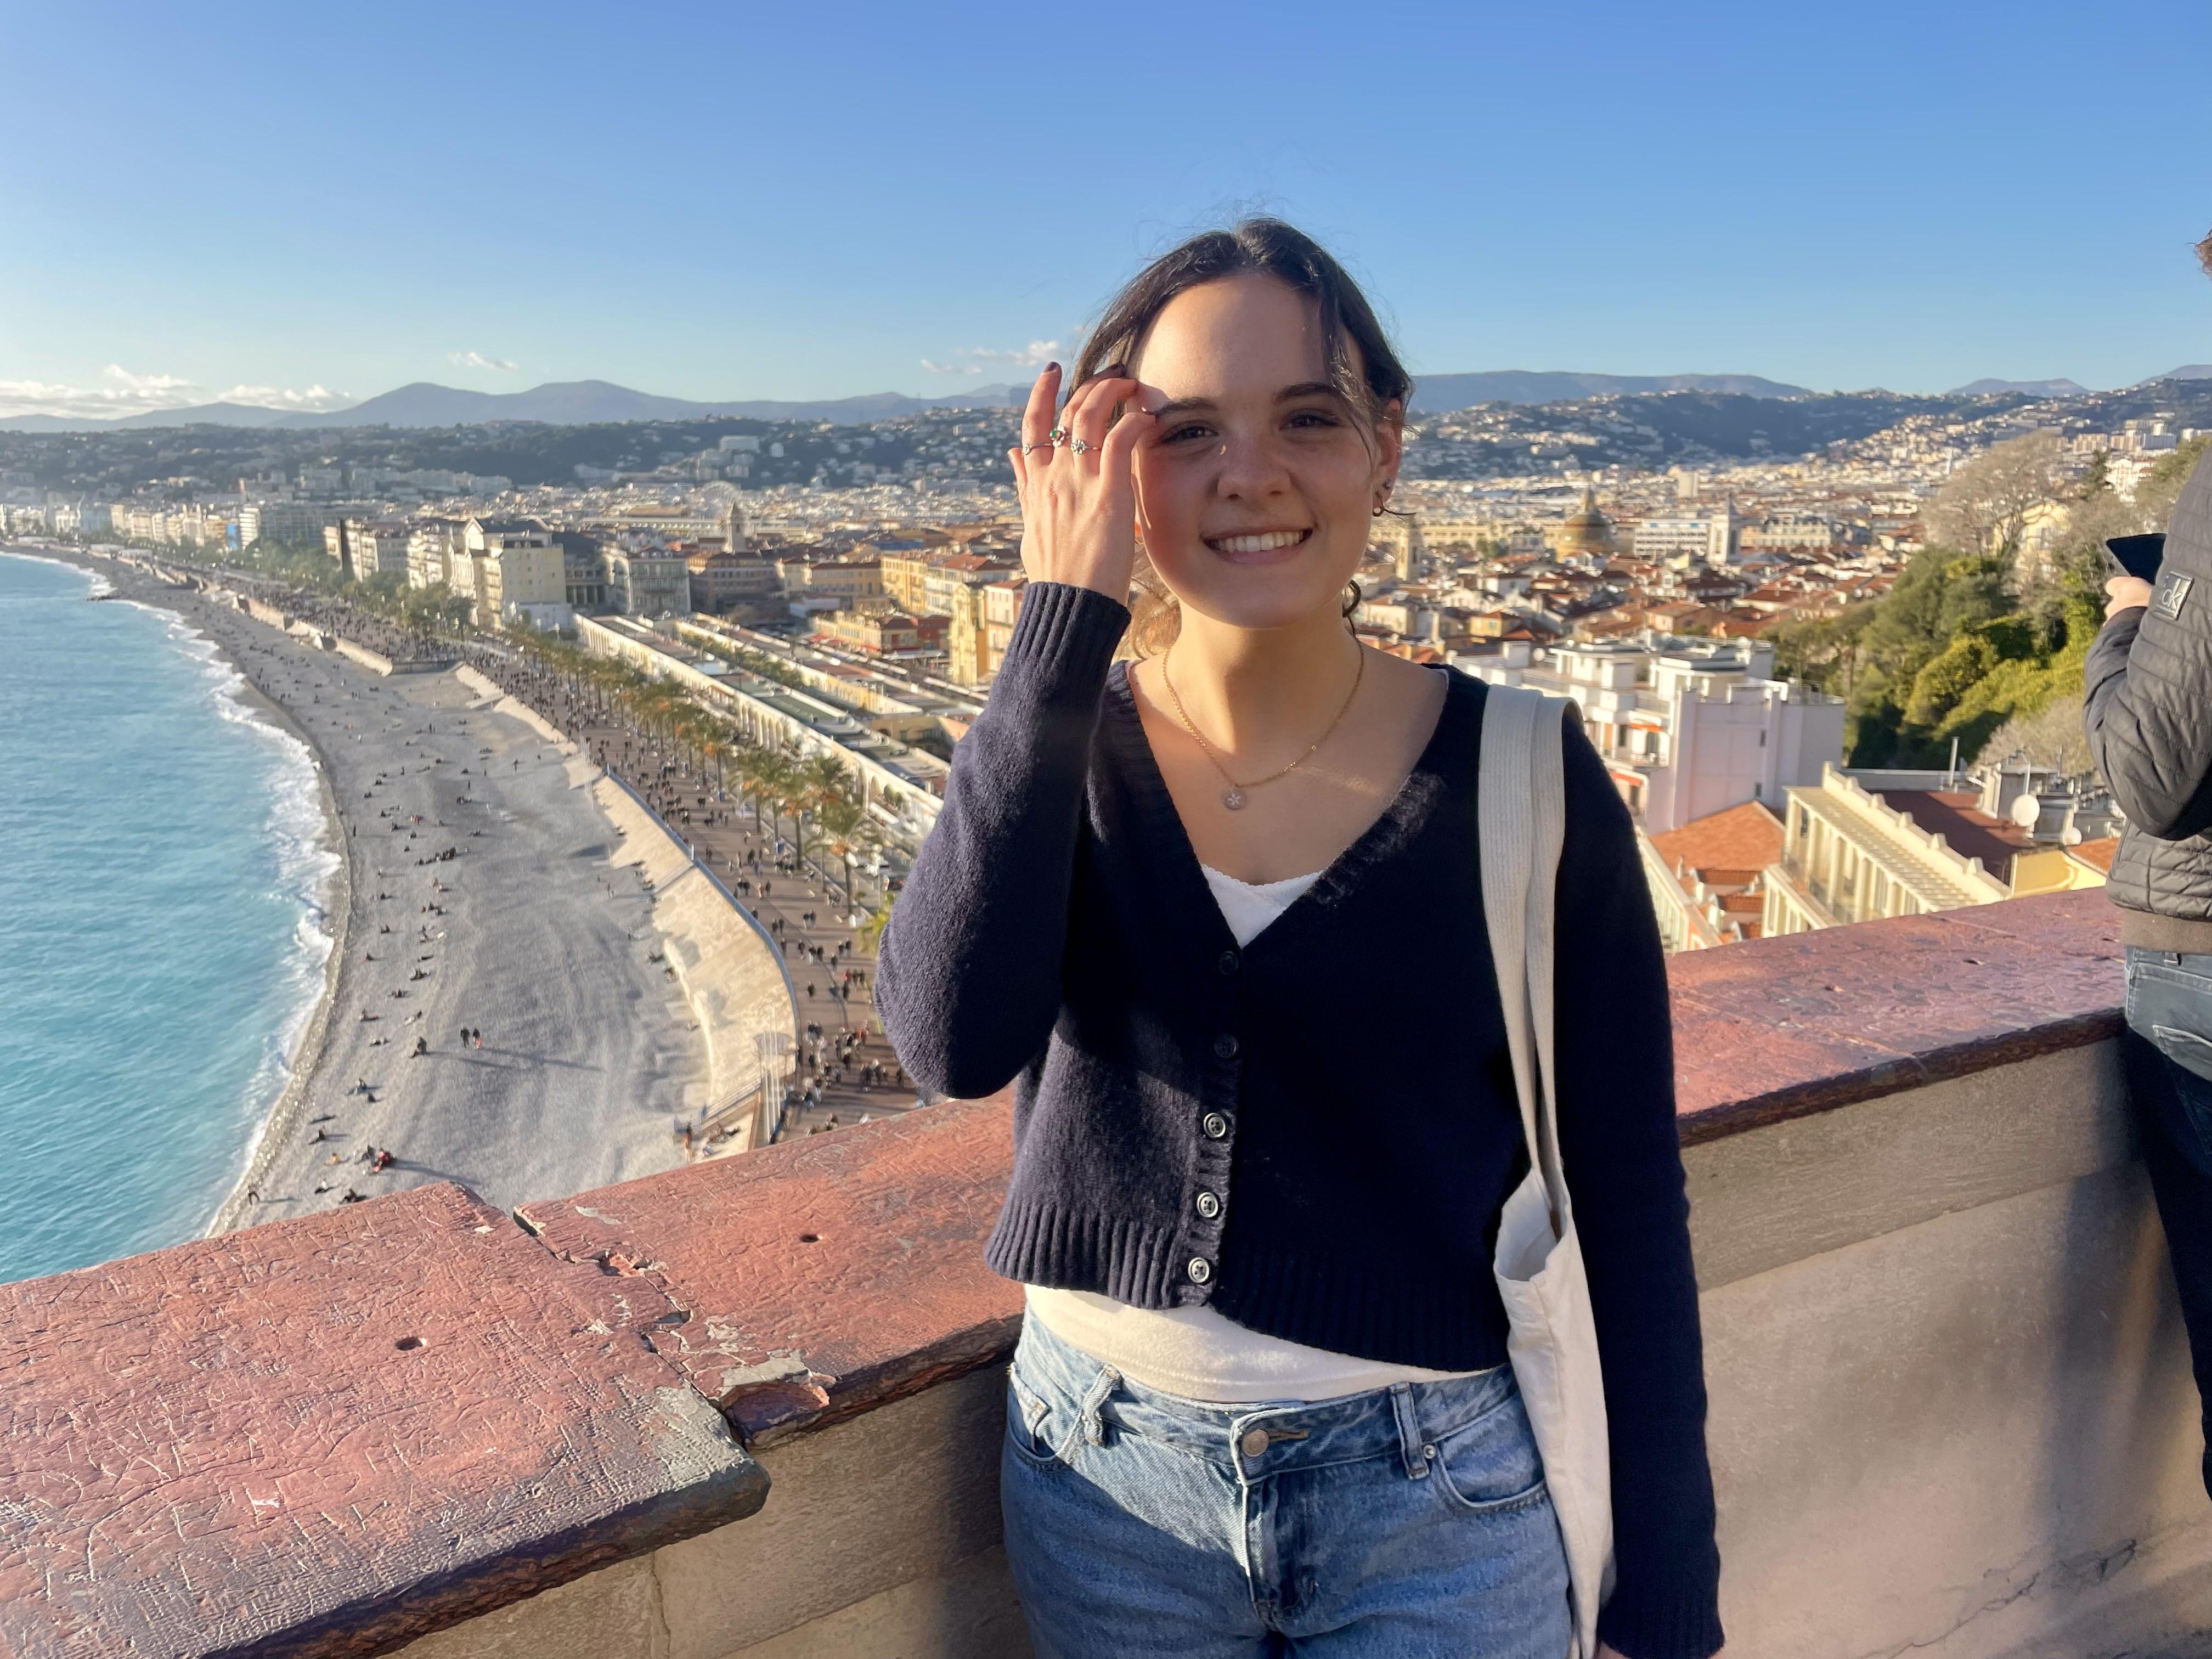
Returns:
(1851,854)
(903,574)
(1002,609)
(850,581)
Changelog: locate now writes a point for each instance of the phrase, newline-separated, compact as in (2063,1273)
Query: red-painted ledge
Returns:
(330,1435)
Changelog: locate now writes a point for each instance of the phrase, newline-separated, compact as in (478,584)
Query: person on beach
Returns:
(1262,1402)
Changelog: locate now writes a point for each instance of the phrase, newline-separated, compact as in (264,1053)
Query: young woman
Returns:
(1216,911)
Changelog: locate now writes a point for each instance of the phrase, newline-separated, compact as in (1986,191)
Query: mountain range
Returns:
(583,402)
(2033,388)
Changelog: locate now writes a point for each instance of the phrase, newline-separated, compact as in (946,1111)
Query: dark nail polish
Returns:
(1052,368)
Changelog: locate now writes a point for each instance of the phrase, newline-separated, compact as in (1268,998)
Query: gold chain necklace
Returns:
(1233,797)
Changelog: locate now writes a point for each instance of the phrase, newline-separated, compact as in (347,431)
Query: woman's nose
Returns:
(1251,466)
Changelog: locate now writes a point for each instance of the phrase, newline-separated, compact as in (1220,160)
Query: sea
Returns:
(165,870)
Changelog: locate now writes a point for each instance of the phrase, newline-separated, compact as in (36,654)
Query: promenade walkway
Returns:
(847,1072)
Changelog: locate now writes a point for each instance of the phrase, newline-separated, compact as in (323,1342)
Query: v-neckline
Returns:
(1335,880)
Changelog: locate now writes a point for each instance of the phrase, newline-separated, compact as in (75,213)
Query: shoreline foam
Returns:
(301,1040)
(593,1059)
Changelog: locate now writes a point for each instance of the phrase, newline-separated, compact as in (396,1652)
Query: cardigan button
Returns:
(1225,1046)
(1228,962)
(1215,1126)
(1199,1269)
(1208,1205)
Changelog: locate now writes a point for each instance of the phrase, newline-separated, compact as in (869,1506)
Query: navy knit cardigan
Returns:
(1340,1086)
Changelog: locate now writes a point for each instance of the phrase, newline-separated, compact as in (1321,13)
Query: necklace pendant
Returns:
(1232,798)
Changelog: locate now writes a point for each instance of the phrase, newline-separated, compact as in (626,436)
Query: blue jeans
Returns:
(2167,1052)
(1408,1523)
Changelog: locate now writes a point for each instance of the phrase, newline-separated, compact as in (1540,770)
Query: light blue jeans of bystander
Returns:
(1408,1523)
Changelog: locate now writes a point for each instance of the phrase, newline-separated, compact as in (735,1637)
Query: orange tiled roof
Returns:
(2097,854)
(1736,838)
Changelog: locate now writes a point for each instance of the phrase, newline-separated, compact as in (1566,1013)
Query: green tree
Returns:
(1940,594)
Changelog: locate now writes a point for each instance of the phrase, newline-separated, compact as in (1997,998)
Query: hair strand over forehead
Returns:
(1264,247)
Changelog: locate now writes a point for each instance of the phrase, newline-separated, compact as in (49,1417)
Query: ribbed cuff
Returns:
(1063,640)
(1686,1625)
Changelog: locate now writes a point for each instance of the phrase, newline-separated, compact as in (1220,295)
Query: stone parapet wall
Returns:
(1951,1410)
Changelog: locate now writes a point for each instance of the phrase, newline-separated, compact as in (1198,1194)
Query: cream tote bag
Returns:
(1521,815)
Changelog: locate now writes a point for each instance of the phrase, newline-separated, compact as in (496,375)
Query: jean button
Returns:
(1253,1443)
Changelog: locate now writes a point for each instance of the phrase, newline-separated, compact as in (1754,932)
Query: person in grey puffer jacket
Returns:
(2149,710)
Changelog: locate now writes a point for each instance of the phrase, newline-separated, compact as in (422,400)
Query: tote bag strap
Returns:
(1521,823)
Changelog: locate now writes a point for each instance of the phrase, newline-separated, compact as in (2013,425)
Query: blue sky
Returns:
(738,200)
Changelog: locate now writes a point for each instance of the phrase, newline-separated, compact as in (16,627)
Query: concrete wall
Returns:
(731,975)
(1952,1409)
(375,662)
(515,707)
(1952,1415)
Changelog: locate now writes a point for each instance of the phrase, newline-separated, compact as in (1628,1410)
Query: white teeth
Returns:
(1273,539)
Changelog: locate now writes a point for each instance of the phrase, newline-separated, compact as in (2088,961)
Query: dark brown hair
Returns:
(1264,247)
(2204,254)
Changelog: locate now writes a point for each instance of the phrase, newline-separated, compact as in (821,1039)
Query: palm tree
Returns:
(779,785)
(844,820)
(872,930)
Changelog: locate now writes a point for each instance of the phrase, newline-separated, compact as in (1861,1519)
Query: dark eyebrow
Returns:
(1177,406)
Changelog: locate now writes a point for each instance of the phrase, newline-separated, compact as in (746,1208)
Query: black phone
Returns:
(2136,555)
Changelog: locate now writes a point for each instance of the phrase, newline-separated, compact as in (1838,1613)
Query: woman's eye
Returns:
(1312,418)
(1178,433)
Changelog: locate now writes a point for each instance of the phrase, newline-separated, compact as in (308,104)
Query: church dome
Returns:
(1586,530)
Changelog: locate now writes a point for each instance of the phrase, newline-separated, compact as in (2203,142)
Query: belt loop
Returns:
(1410,1445)
(2172,958)
(1094,1427)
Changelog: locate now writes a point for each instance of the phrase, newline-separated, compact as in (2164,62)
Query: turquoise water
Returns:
(163,864)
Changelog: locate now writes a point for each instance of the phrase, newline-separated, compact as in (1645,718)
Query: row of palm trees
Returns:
(817,794)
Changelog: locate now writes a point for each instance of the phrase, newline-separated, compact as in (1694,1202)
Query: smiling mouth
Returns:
(1266,541)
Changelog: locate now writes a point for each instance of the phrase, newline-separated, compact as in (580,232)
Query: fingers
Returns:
(1093,406)
(1132,428)
(1044,397)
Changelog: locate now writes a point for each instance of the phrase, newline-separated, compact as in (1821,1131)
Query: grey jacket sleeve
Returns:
(2146,685)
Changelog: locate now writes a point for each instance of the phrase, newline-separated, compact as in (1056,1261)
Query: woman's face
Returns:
(1256,493)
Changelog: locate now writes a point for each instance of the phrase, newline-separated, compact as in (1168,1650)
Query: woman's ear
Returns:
(1389,442)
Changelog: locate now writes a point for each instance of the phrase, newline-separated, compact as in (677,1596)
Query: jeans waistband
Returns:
(1406,1419)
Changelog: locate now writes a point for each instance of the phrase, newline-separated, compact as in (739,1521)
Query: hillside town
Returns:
(850,590)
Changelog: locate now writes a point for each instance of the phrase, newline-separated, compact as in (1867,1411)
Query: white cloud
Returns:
(1036,355)
(145,383)
(124,392)
(477,360)
(316,397)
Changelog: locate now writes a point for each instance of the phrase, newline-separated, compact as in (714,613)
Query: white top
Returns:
(1194,1351)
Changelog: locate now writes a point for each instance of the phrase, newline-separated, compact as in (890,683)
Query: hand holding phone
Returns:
(2136,555)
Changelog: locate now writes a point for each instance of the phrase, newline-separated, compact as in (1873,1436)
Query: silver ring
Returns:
(1027,448)
(1079,446)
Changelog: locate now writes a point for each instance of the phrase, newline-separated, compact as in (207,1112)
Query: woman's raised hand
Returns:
(1077,488)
